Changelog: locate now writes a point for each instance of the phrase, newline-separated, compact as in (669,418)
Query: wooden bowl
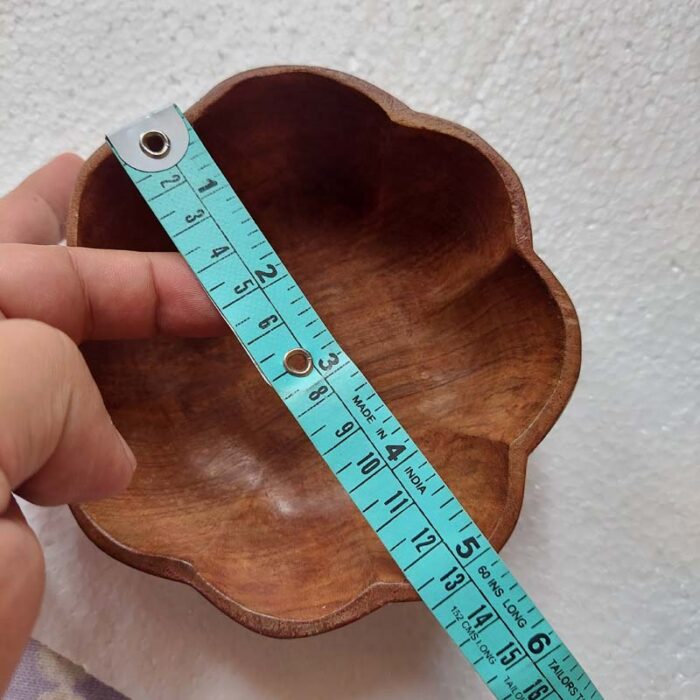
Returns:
(411,237)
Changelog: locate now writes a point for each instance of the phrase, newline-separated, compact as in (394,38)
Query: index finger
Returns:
(100,294)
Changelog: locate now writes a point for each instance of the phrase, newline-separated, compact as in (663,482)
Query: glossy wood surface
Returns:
(411,237)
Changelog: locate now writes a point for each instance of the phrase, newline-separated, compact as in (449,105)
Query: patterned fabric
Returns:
(44,675)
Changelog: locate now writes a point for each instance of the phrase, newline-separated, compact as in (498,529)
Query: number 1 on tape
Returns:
(438,546)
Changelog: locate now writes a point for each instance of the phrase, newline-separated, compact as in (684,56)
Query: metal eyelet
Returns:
(155,144)
(298,362)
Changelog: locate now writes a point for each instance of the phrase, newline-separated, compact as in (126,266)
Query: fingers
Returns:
(21,584)
(105,293)
(57,441)
(35,211)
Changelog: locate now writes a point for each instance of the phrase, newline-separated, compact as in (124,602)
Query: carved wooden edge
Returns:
(379,593)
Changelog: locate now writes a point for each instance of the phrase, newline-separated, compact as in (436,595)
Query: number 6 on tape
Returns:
(439,548)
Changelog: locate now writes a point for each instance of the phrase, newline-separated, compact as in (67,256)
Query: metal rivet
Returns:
(154,144)
(298,362)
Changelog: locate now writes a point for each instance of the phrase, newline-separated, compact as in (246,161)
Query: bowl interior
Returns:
(402,238)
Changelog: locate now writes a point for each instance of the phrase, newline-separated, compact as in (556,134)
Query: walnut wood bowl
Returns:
(411,237)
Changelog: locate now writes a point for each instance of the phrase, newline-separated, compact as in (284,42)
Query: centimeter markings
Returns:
(438,546)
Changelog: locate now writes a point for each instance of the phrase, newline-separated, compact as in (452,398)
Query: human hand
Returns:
(57,442)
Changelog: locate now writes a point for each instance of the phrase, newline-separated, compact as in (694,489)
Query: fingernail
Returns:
(131,458)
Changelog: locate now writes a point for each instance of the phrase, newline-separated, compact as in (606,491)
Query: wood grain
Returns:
(411,237)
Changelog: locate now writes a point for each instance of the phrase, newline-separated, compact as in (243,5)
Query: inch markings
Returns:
(440,549)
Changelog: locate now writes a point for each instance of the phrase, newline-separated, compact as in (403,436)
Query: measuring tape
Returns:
(439,548)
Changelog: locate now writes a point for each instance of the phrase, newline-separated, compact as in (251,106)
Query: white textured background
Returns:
(595,103)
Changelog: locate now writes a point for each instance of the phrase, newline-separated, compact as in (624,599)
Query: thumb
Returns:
(57,441)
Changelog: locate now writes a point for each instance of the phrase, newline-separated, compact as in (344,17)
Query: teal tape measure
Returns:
(439,548)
